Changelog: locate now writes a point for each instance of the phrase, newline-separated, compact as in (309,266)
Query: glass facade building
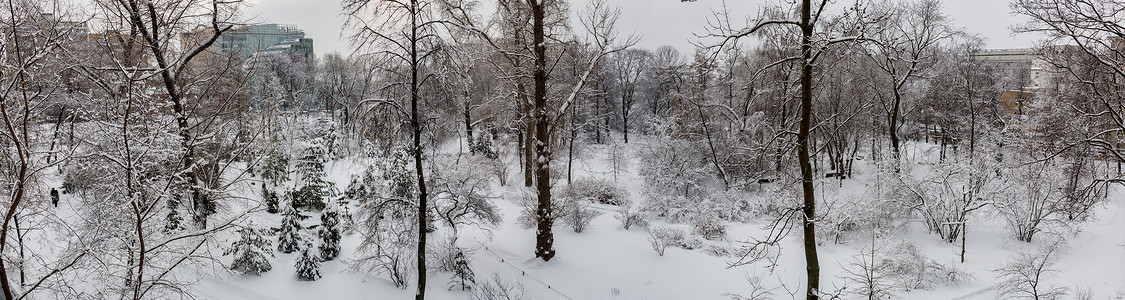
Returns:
(252,39)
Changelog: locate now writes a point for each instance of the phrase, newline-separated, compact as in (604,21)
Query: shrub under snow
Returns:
(577,215)
(597,191)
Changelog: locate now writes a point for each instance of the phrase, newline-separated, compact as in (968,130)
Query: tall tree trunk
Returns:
(18,130)
(711,145)
(626,102)
(972,123)
(892,128)
(468,126)
(55,137)
(416,127)
(597,127)
(153,41)
(812,264)
(544,238)
(19,241)
(570,151)
(529,155)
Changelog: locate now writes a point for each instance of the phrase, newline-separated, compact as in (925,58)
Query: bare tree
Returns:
(406,33)
(811,47)
(1086,45)
(38,45)
(599,22)
(159,29)
(905,46)
(1026,276)
(627,68)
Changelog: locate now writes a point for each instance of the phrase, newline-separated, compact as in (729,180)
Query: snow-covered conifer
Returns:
(463,276)
(329,232)
(250,252)
(313,189)
(270,199)
(308,266)
(289,236)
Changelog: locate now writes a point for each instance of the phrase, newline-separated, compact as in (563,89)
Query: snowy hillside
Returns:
(607,262)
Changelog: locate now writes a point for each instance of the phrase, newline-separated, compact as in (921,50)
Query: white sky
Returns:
(660,22)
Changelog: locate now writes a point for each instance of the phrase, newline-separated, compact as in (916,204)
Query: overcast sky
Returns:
(659,22)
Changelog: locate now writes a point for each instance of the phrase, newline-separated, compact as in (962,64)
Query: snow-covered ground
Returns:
(606,262)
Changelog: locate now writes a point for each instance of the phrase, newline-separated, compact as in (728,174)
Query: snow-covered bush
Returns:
(657,241)
(883,271)
(399,178)
(716,249)
(577,214)
(389,250)
(1034,202)
(289,234)
(630,216)
(878,208)
(736,206)
(329,232)
(709,226)
(364,185)
(250,252)
(910,269)
(673,169)
(869,275)
(443,254)
(732,205)
(944,194)
(597,191)
(172,220)
(528,206)
(661,237)
(770,201)
(323,133)
(83,174)
(308,266)
(499,289)
(274,169)
(674,208)
(460,194)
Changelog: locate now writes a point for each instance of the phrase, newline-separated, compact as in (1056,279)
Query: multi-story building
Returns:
(251,39)
(250,47)
(1025,63)
(35,33)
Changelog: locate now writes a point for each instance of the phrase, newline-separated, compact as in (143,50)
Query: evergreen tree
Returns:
(400,183)
(289,237)
(463,276)
(325,136)
(270,198)
(314,188)
(399,178)
(173,221)
(250,252)
(308,267)
(482,145)
(274,173)
(329,232)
